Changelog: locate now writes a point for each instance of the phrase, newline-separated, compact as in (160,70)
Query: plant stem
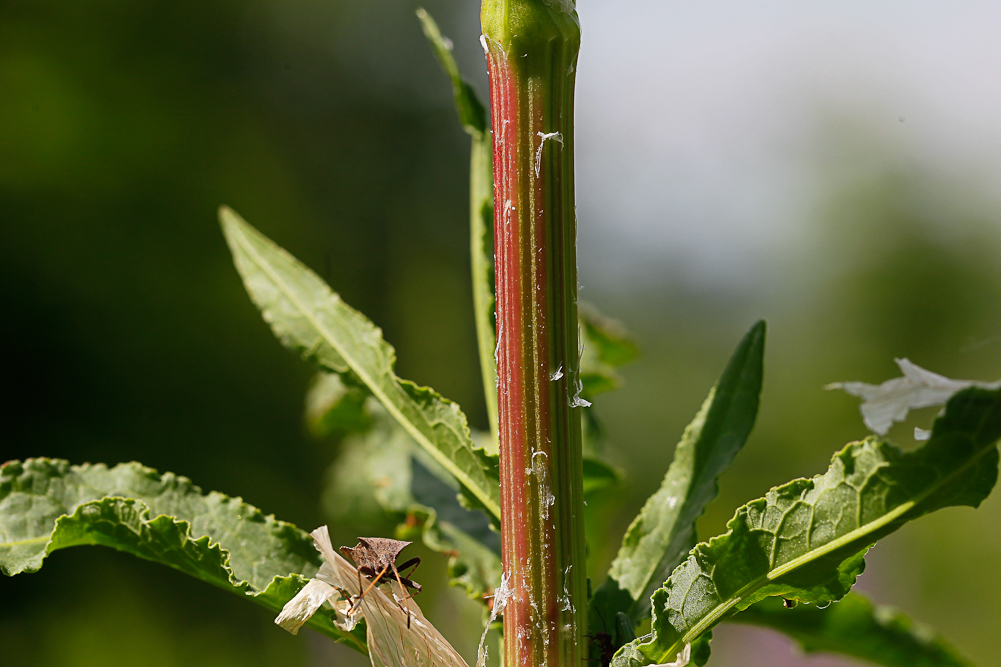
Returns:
(532,48)
(482,252)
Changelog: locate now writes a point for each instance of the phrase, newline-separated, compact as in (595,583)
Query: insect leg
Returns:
(415,561)
(406,598)
(374,582)
(411,584)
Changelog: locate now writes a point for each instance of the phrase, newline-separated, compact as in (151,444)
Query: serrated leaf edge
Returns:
(232,222)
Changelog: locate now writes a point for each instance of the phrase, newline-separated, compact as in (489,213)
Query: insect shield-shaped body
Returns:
(375,558)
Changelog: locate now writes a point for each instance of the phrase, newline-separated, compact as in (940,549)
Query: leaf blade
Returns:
(607,346)
(312,320)
(763,556)
(473,117)
(49,505)
(664,530)
(472,113)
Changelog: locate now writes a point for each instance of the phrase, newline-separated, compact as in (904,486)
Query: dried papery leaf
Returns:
(884,404)
(301,608)
(391,643)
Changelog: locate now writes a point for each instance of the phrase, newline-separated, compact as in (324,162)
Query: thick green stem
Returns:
(532,48)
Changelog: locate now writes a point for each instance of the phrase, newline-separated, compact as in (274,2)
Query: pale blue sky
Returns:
(708,130)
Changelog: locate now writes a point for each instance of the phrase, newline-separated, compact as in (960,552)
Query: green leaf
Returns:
(385,467)
(472,565)
(46,505)
(473,117)
(806,540)
(607,346)
(855,627)
(664,530)
(472,113)
(312,320)
(334,408)
(611,342)
(371,476)
(598,476)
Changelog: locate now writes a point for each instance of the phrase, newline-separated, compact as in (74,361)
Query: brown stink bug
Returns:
(375,558)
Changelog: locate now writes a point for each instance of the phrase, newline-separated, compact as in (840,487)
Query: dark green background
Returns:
(127,334)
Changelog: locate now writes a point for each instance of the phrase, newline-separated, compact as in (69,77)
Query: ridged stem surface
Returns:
(531,49)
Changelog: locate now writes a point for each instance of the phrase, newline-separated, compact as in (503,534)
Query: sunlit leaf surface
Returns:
(806,540)
(312,320)
(47,505)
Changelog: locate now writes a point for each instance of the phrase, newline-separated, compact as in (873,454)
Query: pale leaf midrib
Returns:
(21,543)
(375,387)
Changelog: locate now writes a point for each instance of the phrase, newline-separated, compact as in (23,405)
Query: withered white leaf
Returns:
(299,609)
(390,642)
(884,404)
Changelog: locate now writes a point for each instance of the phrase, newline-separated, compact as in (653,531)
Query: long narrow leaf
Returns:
(806,540)
(857,628)
(47,505)
(472,113)
(309,318)
(473,116)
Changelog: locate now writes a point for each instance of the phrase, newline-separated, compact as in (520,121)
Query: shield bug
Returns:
(375,558)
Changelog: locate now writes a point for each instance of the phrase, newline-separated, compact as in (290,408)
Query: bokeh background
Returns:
(832,167)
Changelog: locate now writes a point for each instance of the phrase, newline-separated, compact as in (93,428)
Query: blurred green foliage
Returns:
(128,335)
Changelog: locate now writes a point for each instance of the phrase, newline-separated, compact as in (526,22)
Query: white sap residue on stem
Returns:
(540,470)
(576,401)
(501,597)
(509,209)
(544,136)
(500,332)
(567,604)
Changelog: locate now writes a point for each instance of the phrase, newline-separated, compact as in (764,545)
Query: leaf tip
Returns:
(228,217)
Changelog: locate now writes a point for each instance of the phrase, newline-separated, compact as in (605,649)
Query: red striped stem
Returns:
(531,48)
